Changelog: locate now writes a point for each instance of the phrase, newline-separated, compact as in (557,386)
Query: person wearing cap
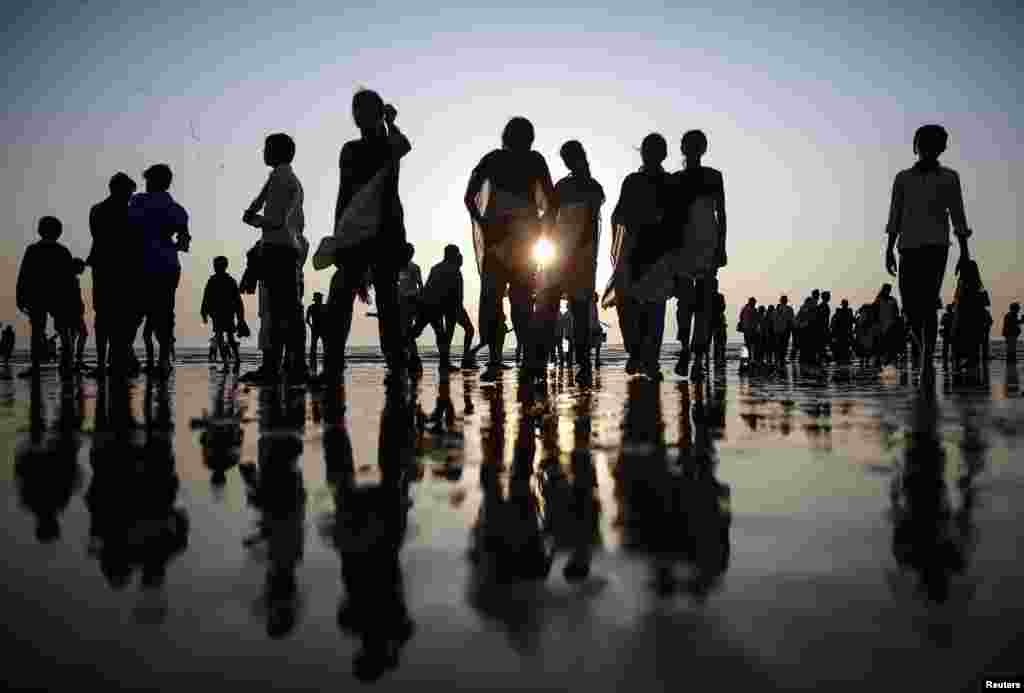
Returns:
(162,224)
(111,237)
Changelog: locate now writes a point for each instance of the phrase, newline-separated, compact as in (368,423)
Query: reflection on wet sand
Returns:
(719,508)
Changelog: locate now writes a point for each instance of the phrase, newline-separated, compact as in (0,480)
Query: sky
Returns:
(810,113)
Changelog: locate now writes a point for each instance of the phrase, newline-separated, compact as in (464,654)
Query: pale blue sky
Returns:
(809,112)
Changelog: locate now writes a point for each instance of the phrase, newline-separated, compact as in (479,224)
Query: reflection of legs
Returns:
(580,308)
(492,291)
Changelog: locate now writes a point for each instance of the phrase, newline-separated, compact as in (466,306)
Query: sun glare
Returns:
(543,251)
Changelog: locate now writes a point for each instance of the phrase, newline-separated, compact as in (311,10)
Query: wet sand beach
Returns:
(815,527)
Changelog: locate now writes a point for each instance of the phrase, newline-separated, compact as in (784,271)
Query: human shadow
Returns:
(221,435)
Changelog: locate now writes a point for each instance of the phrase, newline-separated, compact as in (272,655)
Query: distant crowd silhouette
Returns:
(535,242)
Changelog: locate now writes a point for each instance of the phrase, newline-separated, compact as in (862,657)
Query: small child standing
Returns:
(44,288)
(1011,332)
(222,302)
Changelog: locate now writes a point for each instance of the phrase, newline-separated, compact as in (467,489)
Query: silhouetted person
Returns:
(704,234)
(823,322)
(782,327)
(281,223)
(45,288)
(1011,331)
(842,332)
(507,192)
(440,304)
(576,235)
(316,320)
(371,160)
(112,236)
(747,326)
(719,329)
(222,303)
(644,236)
(890,330)
(925,199)
(597,333)
(410,284)
(46,467)
(76,315)
(971,318)
(7,344)
(163,225)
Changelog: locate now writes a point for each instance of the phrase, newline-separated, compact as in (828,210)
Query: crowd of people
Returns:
(536,244)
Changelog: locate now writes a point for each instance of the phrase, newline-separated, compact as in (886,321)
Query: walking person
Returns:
(703,252)
(439,305)
(222,302)
(841,331)
(576,237)
(508,192)
(647,222)
(747,326)
(316,319)
(111,235)
(280,224)
(1011,331)
(7,344)
(162,224)
(925,199)
(410,284)
(782,329)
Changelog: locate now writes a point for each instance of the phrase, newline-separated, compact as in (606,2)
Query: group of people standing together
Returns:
(669,241)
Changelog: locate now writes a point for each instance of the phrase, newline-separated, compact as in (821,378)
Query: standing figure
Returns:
(368,187)
(890,331)
(281,223)
(45,288)
(440,304)
(7,344)
(410,284)
(316,319)
(223,303)
(1011,331)
(76,315)
(925,199)
(842,332)
(576,237)
(971,319)
(111,238)
(824,321)
(703,252)
(645,232)
(747,326)
(782,329)
(597,334)
(163,226)
(507,193)
(719,329)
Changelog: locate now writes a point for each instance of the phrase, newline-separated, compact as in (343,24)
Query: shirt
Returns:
(516,179)
(108,224)
(221,297)
(783,318)
(924,200)
(444,287)
(283,220)
(410,280)
(157,218)
(358,162)
(46,277)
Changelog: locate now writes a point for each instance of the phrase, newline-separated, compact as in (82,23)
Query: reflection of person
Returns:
(46,468)
(518,190)
(925,199)
(368,533)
